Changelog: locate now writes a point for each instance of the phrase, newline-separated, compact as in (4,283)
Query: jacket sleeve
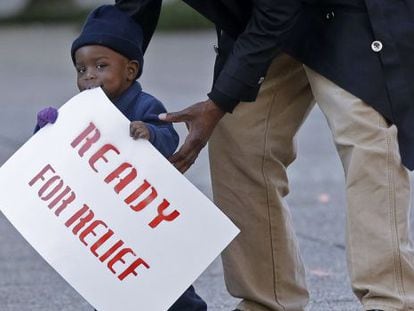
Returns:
(253,52)
(162,134)
(145,13)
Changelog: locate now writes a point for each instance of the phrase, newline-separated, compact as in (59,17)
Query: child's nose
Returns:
(90,74)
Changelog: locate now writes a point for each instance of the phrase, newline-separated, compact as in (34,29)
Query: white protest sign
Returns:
(109,213)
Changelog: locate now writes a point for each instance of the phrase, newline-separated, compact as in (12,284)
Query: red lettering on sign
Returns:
(83,220)
(119,257)
(123,181)
(125,173)
(87,137)
(100,154)
(46,186)
(84,223)
(111,250)
(76,216)
(161,208)
(140,190)
(145,202)
(64,201)
(132,267)
(89,230)
(101,241)
(52,192)
(41,174)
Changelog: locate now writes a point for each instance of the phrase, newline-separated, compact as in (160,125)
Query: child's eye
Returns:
(100,66)
(80,69)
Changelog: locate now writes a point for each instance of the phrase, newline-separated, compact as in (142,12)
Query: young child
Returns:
(108,54)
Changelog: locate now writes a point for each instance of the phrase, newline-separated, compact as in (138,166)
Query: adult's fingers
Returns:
(186,155)
(178,116)
(200,118)
(184,163)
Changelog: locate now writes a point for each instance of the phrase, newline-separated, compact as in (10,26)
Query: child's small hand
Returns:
(138,129)
(46,115)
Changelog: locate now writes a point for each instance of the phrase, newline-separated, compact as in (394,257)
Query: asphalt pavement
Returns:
(36,71)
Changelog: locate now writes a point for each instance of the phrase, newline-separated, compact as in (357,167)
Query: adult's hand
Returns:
(200,119)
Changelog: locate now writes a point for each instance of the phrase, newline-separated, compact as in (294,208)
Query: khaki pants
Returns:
(249,153)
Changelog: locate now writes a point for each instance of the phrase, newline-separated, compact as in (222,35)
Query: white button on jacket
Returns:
(376,46)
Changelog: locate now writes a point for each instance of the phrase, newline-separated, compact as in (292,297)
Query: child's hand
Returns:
(46,115)
(138,129)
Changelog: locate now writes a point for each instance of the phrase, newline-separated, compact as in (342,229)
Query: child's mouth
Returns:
(92,87)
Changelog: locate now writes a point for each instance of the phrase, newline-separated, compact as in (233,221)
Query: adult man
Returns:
(358,67)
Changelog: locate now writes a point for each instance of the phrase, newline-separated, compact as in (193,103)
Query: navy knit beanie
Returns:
(112,28)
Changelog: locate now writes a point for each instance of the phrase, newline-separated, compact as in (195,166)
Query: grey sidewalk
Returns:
(36,71)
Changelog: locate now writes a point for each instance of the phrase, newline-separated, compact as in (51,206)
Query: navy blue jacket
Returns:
(137,105)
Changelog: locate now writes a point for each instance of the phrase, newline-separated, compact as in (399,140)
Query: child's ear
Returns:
(132,69)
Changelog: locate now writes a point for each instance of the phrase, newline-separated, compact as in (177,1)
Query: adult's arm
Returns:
(243,71)
(144,12)
(253,51)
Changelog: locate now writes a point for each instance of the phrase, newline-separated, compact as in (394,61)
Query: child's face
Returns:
(99,66)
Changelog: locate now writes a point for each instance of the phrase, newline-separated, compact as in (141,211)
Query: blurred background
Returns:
(36,71)
(175,14)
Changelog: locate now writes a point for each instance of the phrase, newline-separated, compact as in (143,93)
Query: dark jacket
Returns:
(364,46)
(137,105)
